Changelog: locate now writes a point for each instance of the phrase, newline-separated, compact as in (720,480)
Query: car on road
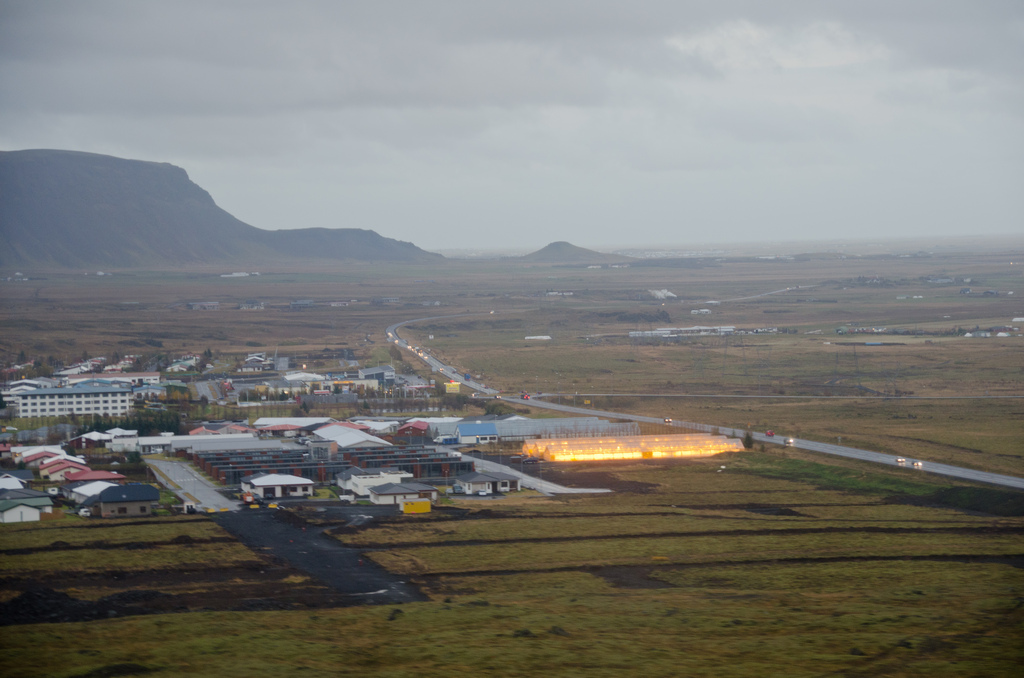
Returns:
(918,464)
(84,512)
(790,442)
(525,396)
(482,493)
(531,460)
(668,420)
(770,433)
(901,460)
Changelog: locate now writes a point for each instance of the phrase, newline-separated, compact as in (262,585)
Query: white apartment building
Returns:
(52,402)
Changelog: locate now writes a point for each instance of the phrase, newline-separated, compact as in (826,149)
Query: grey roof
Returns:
(229,445)
(349,472)
(477,477)
(402,488)
(20,474)
(135,492)
(566,427)
(7,504)
(23,493)
(79,389)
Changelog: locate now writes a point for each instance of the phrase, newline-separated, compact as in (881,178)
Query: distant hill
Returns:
(82,210)
(566,253)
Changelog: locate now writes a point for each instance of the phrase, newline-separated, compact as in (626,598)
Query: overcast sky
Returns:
(511,125)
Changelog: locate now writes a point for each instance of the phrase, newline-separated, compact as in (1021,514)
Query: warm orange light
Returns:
(631,447)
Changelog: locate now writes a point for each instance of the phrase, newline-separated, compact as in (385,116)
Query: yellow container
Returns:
(416,506)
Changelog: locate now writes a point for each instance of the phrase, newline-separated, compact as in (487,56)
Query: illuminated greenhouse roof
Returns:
(631,447)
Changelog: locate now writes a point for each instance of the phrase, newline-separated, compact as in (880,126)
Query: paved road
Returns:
(533,483)
(191,483)
(825,448)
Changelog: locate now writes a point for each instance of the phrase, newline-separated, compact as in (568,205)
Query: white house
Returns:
(492,482)
(11,483)
(357,482)
(16,512)
(273,485)
(397,493)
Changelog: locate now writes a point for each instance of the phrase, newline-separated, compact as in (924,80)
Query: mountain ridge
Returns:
(86,210)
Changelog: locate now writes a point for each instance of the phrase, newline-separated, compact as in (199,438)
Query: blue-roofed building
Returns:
(477,434)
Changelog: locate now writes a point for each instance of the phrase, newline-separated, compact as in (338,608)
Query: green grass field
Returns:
(776,566)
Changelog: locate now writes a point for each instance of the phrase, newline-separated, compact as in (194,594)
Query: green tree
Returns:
(748,440)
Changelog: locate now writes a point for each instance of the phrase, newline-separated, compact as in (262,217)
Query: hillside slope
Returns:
(566,253)
(83,210)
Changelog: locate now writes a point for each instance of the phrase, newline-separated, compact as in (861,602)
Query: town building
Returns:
(399,493)
(277,485)
(123,501)
(109,401)
(488,483)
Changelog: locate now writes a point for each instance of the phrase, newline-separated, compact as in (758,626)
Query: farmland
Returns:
(780,563)
(737,572)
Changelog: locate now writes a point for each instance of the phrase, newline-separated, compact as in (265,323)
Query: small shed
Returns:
(414,505)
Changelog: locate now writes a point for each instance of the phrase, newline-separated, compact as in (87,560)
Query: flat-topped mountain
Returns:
(566,253)
(83,210)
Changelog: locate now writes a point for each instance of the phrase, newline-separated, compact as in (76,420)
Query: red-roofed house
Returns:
(345,424)
(90,440)
(221,428)
(39,458)
(89,476)
(58,469)
(413,428)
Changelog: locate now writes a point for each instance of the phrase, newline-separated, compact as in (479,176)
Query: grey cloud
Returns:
(561,119)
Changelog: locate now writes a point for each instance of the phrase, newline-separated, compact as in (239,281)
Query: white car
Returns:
(901,460)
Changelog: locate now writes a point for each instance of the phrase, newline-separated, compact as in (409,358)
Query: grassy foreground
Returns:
(771,567)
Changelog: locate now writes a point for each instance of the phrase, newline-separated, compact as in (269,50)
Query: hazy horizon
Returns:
(459,126)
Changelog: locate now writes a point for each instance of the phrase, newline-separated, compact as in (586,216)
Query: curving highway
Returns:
(450,371)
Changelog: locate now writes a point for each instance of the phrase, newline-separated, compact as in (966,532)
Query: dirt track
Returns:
(308,549)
